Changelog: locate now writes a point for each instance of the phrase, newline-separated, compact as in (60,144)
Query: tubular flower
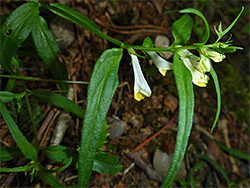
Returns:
(205,63)
(162,65)
(198,77)
(215,56)
(194,59)
(141,88)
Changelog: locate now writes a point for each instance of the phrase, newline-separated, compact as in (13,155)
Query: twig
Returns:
(44,125)
(223,125)
(129,27)
(130,32)
(47,130)
(136,157)
(156,134)
(75,100)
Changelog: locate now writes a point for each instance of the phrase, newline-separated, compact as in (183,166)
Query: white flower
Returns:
(205,63)
(195,60)
(141,88)
(162,65)
(215,56)
(191,62)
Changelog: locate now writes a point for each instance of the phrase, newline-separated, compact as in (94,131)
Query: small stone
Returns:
(171,102)
(162,161)
(117,127)
(162,41)
(63,30)
(163,120)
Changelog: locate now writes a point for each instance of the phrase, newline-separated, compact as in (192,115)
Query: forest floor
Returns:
(132,22)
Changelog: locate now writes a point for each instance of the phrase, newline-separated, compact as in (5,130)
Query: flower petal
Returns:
(198,78)
(141,87)
(205,63)
(215,56)
(162,64)
(195,60)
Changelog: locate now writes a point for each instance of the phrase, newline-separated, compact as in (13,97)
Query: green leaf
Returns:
(148,42)
(197,167)
(103,136)
(47,49)
(41,79)
(48,177)
(27,149)
(10,85)
(184,84)
(182,29)
(12,82)
(105,163)
(9,154)
(221,33)
(198,13)
(59,100)
(7,96)
(217,88)
(233,151)
(15,169)
(101,89)
(79,19)
(217,166)
(61,168)
(75,16)
(15,30)
(61,154)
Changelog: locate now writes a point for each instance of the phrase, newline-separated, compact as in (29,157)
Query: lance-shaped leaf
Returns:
(101,89)
(198,13)
(79,19)
(15,30)
(59,100)
(217,89)
(233,151)
(7,96)
(48,177)
(104,163)
(27,148)
(15,169)
(61,154)
(217,166)
(47,49)
(184,84)
(9,154)
(182,29)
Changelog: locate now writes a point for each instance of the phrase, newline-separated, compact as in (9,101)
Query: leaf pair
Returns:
(104,163)
(18,26)
(102,86)
(15,30)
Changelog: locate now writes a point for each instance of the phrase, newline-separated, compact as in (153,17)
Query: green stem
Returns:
(32,120)
(41,79)
(15,169)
